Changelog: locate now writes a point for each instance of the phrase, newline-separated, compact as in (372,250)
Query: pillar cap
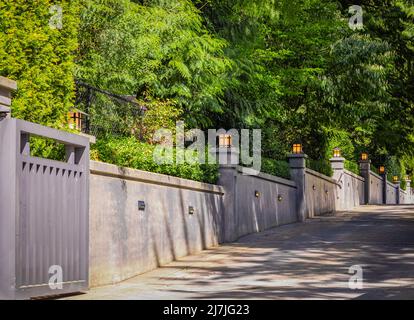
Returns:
(4,109)
(8,83)
(298,155)
(337,159)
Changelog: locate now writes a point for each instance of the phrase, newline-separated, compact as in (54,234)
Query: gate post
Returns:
(8,190)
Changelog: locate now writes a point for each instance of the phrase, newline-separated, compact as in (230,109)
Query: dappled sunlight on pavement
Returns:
(299,261)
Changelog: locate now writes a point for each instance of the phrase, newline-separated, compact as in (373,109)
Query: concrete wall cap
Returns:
(375,175)
(269,177)
(322,176)
(350,173)
(111,170)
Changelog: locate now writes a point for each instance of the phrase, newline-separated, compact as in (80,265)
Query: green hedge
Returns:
(321,166)
(129,152)
(276,167)
(352,166)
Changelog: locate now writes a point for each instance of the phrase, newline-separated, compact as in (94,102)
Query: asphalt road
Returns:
(308,260)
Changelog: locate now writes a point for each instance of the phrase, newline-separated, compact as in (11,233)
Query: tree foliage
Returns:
(293,68)
(40,57)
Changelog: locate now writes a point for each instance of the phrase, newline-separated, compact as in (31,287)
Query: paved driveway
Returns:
(303,260)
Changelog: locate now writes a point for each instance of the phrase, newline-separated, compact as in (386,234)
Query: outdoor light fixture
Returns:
(381,169)
(297,148)
(76,118)
(279,197)
(395,178)
(190,210)
(257,194)
(141,205)
(407,177)
(313,187)
(364,156)
(225,140)
(336,152)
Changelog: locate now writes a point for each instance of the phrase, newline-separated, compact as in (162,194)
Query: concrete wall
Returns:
(392,193)
(125,241)
(352,187)
(376,189)
(320,193)
(275,204)
(255,202)
(403,198)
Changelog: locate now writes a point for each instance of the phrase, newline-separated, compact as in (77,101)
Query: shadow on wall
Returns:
(126,241)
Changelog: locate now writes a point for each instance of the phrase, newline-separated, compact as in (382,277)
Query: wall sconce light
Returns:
(297,148)
(141,205)
(257,194)
(337,152)
(326,191)
(313,187)
(225,140)
(364,156)
(190,210)
(381,169)
(395,179)
(279,197)
(76,119)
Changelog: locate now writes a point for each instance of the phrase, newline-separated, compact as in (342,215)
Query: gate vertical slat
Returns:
(52,249)
(31,250)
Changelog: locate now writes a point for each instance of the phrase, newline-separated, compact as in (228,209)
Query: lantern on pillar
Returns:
(395,179)
(381,169)
(297,148)
(337,152)
(364,156)
(225,140)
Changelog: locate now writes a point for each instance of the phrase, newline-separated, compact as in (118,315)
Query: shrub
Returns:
(352,166)
(276,167)
(322,166)
(129,152)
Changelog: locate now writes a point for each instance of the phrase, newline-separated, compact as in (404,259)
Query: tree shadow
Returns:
(307,261)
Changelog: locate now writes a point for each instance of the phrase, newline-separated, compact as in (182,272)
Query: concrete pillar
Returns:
(384,187)
(228,159)
(398,188)
(338,165)
(365,168)
(408,189)
(297,164)
(6,87)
